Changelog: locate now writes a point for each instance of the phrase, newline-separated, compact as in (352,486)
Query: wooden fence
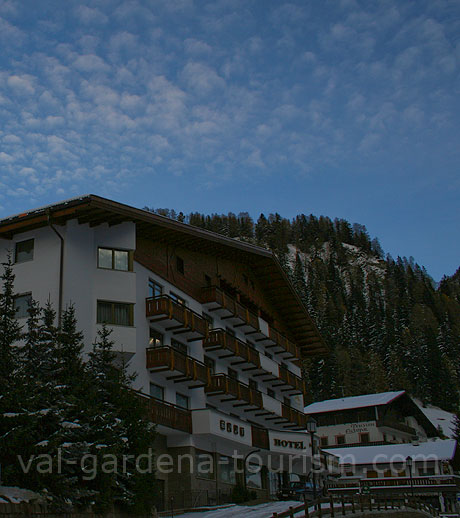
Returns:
(346,505)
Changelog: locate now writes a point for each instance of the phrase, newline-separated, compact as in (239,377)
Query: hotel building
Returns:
(211,325)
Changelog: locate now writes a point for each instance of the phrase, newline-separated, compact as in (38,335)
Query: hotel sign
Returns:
(288,442)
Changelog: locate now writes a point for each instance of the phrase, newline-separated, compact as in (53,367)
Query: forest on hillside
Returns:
(388,325)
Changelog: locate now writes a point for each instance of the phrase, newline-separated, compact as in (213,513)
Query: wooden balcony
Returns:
(260,438)
(289,378)
(220,340)
(229,309)
(221,384)
(182,368)
(390,423)
(166,414)
(282,344)
(173,316)
(297,420)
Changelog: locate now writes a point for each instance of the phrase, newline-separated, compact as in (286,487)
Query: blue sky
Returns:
(337,107)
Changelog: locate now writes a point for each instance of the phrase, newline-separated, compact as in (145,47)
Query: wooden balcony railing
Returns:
(213,294)
(291,379)
(402,427)
(294,416)
(283,342)
(223,384)
(218,338)
(167,358)
(260,437)
(166,308)
(167,414)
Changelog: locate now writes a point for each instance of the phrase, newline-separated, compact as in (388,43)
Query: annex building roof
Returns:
(348,403)
(430,450)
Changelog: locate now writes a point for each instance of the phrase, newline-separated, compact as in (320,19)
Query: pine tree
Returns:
(10,392)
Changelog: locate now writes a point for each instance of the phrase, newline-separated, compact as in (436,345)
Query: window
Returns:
(254,476)
(227,470)
(111,259)
(210,364)
(182,401)
(324,441)
(156,338)
(155,289)
(209,320)
(271,393)
(24,251)
(371,473)
(204,465)
(232,374)
(21,305)
(178,299)
(157,392)
(287,401)
(364,438)
(253,384)
(179,347)
(340,439)
(115,313)
(180,264)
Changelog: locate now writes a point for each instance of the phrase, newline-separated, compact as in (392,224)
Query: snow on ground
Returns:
(256,511)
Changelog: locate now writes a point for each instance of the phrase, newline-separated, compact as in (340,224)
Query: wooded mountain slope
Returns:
(386,322)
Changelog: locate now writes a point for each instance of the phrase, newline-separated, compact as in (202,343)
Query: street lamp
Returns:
(311,428)
(409,463)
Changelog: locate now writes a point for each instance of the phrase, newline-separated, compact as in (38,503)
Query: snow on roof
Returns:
(16,495)
(388,453)
(347,403)
(439,417)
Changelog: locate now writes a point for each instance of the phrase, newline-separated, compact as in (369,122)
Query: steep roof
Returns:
(95,210)
(382,454)
(348,403)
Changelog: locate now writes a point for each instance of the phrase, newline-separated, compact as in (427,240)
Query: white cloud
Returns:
(197,47)
(90,63)
(88,15)
(201,78)
(5,157)
(21,84)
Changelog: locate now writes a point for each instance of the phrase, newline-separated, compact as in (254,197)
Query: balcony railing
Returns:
(390,423)
(299,419)
(281,341)
(220,339)
(167,358)
(176,317)
(229,307)
(260,438)
(167,414)
(294,381)
(223,384)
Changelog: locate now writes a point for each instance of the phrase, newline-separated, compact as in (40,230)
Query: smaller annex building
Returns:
(371,419)
(422,469)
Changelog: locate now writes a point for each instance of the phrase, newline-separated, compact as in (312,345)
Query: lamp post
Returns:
(409,462)
(311,428)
